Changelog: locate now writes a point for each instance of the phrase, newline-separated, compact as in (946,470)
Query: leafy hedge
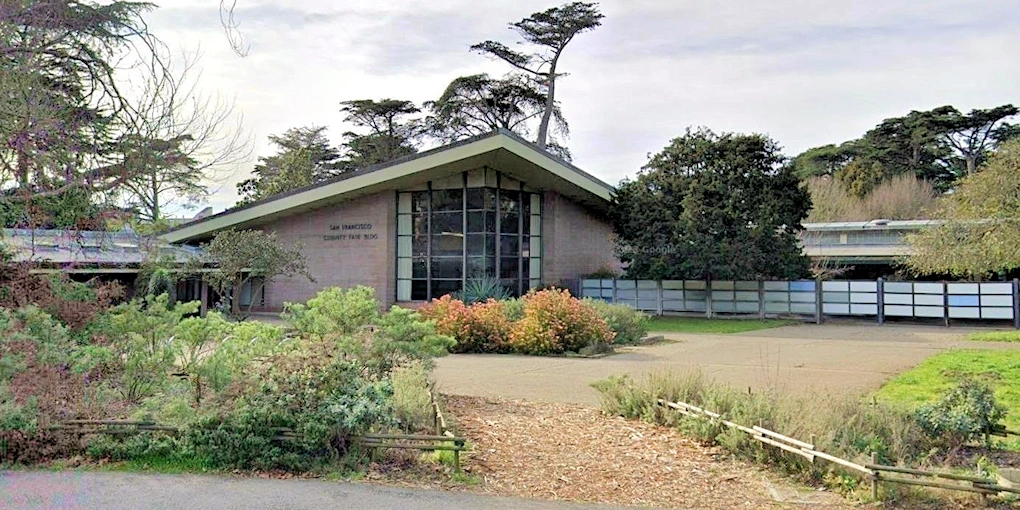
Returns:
(548,321)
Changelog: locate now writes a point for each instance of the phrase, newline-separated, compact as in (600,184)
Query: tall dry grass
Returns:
(843,426)
(903,197)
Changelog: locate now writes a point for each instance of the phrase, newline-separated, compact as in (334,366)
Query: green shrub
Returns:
(963,414)
(322,397)
(334,311)
(412,403)
(630,325)
(140,333)
(132,447)
(244,342)
(513,308)
(401,336)
(51,340)
(242,385)
(555,322)
(20,417)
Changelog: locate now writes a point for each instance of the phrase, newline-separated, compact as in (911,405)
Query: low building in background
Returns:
(864,249)
(109,256)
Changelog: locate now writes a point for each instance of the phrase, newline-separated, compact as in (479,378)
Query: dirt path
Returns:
(573,452)
(831,358)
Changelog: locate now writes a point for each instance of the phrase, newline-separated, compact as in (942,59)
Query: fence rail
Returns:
(815,299)
(874,472)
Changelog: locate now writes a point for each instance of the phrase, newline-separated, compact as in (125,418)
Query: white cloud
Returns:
(805,72)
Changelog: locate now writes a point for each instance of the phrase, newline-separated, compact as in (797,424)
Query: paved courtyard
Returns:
(849,358)
(72,490)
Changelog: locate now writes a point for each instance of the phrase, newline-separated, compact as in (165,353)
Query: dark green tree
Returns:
(478,104)
(64,106)
(939,146)
(389,131)
(550,31)
(304,156)
(824,160)
(974,135)
(712,206)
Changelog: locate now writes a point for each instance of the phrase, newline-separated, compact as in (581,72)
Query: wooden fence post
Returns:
(1016,303)
(818,300)
(614,290)
(880,289)
(708,299)
(658,301)
(874,478)
(945,303)
(761,299)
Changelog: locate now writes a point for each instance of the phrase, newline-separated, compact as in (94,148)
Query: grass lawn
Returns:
(674,324)
(925,382)
(995,336)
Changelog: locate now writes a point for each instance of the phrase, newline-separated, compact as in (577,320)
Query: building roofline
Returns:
(504,139)
(847,226)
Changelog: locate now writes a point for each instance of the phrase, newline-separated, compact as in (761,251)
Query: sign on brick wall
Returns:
(351,232)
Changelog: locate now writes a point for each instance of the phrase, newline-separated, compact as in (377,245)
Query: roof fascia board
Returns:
(334,189)
(570,175)
(341,187)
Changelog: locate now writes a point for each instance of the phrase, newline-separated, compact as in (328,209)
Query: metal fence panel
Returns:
(953,300)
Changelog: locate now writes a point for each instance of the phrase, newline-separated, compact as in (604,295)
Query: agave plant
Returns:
(487,288)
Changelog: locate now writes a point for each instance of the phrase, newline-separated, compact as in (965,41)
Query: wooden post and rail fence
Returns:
(443,440)
(873,471)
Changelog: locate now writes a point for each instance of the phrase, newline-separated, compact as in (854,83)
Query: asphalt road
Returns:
(839,358)
(67,490)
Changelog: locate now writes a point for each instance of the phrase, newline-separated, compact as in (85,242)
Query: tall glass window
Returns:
(488,227)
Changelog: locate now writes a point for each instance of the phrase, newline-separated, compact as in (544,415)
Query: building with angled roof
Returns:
(492,206)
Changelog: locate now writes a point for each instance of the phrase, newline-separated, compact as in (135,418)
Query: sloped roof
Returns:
(499,147)
(81,249)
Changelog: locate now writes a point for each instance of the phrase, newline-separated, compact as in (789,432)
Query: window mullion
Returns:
(520,238)
(428,244)
(499,221)
(463,231)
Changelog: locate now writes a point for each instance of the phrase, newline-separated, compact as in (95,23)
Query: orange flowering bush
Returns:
(555,322)
(481,327)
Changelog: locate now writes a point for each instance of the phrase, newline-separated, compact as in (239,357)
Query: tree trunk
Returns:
(550,103)
(254,292)
(235,300)
(155,213)
(23,177)
(971,163)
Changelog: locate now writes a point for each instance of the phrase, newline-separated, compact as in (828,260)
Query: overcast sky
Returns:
(805,72)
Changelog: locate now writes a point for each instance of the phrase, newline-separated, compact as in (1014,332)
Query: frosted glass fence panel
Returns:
(844,297)
(954,300)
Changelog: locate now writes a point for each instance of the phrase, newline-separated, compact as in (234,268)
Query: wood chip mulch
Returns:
(573,452)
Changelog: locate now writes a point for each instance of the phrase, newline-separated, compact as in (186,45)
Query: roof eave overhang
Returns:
(595,190)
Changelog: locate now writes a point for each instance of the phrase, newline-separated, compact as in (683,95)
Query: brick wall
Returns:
(575,241)
(342,262)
